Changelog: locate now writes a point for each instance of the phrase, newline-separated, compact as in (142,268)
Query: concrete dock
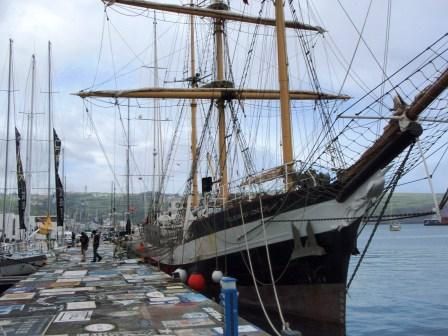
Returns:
(108,298)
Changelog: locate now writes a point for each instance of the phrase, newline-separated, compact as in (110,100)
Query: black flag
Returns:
(21,185)
(128,226)
(59,186)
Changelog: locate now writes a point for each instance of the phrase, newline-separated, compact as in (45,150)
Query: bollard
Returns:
(229,299)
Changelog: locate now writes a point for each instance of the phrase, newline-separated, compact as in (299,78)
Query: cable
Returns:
(102,146)
(253,275)
(393,184)
(280,312)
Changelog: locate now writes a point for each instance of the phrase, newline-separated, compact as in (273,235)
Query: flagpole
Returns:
(49,138)
(7,141)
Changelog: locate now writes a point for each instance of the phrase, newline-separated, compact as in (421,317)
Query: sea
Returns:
(401,288)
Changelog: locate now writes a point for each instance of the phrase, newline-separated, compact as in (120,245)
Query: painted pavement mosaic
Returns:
(108,298)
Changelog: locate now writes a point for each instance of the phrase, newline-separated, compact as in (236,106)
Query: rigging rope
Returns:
(327,131)
(393,184)
(252,273)
(279,308)
(102,146)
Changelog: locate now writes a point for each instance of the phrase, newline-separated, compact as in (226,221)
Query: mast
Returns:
(285,112)
(112,206)
(195,198)
(7,140)
(128,215)
(49,130)
(29,145)
(219,51)
(65,187)
(155,123)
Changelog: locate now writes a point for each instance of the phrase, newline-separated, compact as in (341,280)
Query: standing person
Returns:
(96,244)
(84,245)
(73,238)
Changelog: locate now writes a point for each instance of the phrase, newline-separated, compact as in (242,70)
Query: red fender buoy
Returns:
(141,248)
(196,281)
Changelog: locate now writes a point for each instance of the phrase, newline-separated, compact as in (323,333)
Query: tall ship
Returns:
(286,231)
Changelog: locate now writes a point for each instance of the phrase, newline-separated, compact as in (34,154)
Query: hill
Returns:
(96,206)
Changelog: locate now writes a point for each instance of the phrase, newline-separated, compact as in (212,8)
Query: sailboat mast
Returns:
(128,217)
(7,140)
(195,198)
(219,49)
(284,89)
(112,203)
(29,144)
(49,130)
(155,122)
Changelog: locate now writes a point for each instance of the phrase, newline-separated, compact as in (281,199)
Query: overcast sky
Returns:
(75,29)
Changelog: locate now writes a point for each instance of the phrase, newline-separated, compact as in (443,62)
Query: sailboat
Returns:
(287,233)
(17,259)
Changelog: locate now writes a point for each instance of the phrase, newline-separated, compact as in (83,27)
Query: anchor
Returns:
(311,248)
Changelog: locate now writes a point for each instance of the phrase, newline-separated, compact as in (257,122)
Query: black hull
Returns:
(311,288)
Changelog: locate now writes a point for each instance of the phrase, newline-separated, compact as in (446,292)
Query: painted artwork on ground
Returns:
(81,305)
(17,296)
(185,323)
(29,325)
(111,299)
(99,327)
(10,308)
(74,316)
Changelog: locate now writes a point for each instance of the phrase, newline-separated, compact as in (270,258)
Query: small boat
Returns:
(395,226)
(21,265)
(435,221)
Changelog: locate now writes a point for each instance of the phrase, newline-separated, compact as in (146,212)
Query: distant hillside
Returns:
(94,206)
(411,203)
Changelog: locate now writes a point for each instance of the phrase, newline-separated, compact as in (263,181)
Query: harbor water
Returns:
(401,287)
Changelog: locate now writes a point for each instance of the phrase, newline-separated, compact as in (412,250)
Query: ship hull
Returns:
(311,288)
(309,249)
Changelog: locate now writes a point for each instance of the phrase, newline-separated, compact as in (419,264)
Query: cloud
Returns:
(80,57)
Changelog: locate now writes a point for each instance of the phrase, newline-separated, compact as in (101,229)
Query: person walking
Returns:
(96,244)
(84,245)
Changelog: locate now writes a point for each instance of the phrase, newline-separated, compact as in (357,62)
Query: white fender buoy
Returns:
(217,276)
(180,274)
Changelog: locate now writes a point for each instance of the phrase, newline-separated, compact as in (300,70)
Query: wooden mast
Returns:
(194,84)
(284,91)
(219,49)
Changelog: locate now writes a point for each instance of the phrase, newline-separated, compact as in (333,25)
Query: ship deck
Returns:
(111,297)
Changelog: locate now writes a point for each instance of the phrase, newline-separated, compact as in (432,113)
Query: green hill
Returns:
(94,206)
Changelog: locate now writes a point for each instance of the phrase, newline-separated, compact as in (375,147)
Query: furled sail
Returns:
(59,186)
(21,184)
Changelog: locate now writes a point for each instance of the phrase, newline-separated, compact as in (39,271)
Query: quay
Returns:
(108,298)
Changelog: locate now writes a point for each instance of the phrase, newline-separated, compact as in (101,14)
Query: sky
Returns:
(81,56)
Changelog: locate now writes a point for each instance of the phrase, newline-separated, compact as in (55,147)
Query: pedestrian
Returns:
(73,238)
(96,244)
(84,245)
